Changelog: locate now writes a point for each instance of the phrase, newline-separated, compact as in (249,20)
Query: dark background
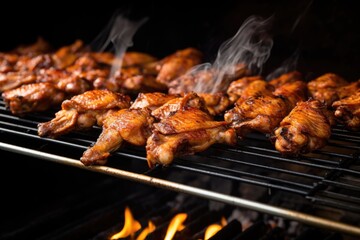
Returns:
(326,33)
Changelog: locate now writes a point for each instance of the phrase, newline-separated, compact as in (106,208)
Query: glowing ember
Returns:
(149,229)
(130,227)
(175,225)
(214,228)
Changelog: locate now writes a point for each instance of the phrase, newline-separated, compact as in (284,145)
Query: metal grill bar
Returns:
(298,216)
(317,177)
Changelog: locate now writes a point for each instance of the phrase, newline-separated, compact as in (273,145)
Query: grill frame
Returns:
(338,166)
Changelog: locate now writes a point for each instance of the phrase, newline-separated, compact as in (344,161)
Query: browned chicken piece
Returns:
(12,80)
(103,57)
(262,114)
(137,58)
(348,90)
(305,129)
(73,85)
(39,47)
(204,81)
(293,92)
(66,56)
(286,78)
(151,100)
(177,64)
(185,132)
(7,62)
(237,87)
(83,111)
(347,111)
(131,125)
(32,97)
(131,79)
(215,103)
(324,88)
(257,88)
(189,100)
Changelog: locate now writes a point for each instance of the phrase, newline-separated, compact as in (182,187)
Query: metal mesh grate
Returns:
(328,177)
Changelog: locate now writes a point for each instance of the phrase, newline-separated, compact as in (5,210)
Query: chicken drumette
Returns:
(83,111)
(347,111)
(305,129)
(131,125)
(187,130)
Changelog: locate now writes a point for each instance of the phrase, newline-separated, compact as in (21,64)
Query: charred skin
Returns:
(305,129)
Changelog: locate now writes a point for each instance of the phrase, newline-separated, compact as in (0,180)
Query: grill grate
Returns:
(328,177)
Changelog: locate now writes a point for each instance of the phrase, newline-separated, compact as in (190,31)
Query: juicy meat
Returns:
(189,100)
(12,80)
(32,97)
(257,88)
(236,88)
(177,64)
(215,103)
(262,114)
(131,125)
(293,92)
(305,129)
(151,100)
(324,88)
(348,90)
(185,132)
(137,58)
(66,56)
(347,111)
(83,111)
(286,78)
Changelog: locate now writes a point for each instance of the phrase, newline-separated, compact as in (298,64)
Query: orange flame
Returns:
(175,225)
(130,227)
(212,229)
(149,229)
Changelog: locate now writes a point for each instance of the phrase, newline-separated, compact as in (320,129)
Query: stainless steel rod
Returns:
(236,201)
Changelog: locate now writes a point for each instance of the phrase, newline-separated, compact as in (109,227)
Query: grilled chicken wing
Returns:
(185,132)
(305,129)
(177,64)
(12,80)
(293,92)
(131,125)
(151,100)
(83,111)
(347,111)
(262,114)
(32,97)
(215,103)
(286,78)
(348,90)
(324,88)
(236,88)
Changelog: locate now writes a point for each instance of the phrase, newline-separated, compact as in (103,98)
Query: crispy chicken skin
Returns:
(324,88)
(305,129)
(131,125)
(32,97)
(185,132)
(177,64)
(348,90)
(262,114)
(237,87)
(293,92)
(216,103)
(347,111)
(286,78)
(151,100)
(83,111)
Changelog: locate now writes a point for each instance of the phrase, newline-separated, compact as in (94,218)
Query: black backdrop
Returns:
(327,33)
